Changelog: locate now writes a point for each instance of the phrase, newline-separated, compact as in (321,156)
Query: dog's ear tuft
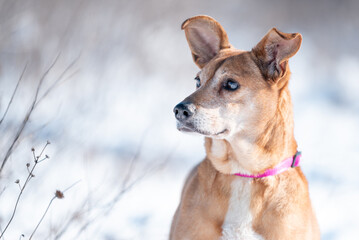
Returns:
(205,37)
(273,52)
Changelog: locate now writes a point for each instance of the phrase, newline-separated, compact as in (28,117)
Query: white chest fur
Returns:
(238,222)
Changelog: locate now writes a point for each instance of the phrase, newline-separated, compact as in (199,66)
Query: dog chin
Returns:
(186,129)
(193,130)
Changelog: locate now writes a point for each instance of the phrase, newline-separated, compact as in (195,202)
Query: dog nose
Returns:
(183,111)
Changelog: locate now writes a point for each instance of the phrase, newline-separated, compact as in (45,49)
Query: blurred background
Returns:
(99,81)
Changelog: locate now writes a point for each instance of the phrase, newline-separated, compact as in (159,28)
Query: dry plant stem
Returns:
(43,216)
(48,207)
(112,203)
(2,191)
(125,188)
(37,99)
(13,94)
(30,175)
(27,116)
(65,227)
(58,80)
(133,162)
(1,231)
(47,92)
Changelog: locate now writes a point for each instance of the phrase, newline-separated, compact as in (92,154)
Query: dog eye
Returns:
(198,82)
(230,85)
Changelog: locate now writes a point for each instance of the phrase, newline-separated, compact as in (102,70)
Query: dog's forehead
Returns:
(236,62)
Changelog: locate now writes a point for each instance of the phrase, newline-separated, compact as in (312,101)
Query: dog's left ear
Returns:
(205,37)
(274,51)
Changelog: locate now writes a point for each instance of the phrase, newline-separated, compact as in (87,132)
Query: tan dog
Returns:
(243,108)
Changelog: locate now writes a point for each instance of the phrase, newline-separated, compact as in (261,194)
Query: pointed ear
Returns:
(205,37)
(273,52)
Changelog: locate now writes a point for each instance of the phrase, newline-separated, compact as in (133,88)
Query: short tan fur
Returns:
(243,108)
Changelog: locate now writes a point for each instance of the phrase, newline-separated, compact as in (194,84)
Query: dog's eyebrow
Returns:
(216,65)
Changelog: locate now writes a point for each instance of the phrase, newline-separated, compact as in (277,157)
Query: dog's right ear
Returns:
(205,37)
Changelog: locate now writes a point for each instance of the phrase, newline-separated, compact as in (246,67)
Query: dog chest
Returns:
(238,221)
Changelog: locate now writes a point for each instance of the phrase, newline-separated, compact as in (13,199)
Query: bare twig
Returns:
(42,151)
(47,209)
(65,227)
(2,191)
(59,195)
(36,100)
(125,188)
(13,94)
(133,161)
(29,177)
(108,206)
(113,201)
(27,116)
(30,133)
(58,80)
(1,231)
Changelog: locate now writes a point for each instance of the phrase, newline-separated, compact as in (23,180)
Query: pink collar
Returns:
(290,162)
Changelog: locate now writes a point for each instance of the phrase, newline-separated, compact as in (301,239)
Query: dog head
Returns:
(237,91)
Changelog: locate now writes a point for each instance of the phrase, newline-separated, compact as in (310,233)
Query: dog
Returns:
(249,186)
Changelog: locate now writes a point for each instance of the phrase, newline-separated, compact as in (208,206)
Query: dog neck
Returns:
(254,153)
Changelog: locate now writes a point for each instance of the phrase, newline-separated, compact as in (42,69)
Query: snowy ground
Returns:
(115,105)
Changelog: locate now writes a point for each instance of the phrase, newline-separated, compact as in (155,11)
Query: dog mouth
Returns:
(189,128)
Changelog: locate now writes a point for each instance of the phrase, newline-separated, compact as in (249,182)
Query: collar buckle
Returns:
(295,159)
